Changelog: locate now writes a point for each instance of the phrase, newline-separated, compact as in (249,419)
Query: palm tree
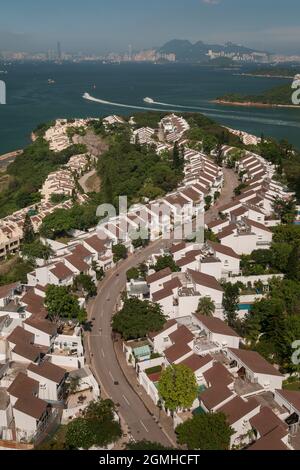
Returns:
(206,307)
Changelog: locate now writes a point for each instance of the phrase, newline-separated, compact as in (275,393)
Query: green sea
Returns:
(31,100)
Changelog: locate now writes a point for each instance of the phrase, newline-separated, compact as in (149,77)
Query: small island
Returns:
(280,96)
(272,72)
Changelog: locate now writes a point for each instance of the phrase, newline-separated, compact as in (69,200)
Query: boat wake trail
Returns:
(211,112)
(88,97)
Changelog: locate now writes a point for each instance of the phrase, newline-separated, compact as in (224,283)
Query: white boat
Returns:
(149,100)
(50,81)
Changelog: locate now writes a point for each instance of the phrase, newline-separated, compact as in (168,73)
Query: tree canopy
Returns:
(35,250)
(178,387)
(209,431)
(137,318)
(97,427)
(166,261)
(274,323)
(206,306)
(60,303)
(146,445)
(119,252)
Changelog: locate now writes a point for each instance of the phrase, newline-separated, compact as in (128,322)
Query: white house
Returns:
(51,379)
(239,412)
(246,236)
(207,286)
(43,330)
(289,400)
(157,280)
(230,260)
(253,367)
(217,331)
(161,340)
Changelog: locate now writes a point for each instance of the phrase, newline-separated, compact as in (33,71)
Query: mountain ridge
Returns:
(186,51)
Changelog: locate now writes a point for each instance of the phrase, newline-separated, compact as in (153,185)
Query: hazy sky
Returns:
(110,25)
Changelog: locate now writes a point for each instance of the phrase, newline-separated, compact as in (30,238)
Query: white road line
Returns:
(127,401)
(111,376)
(102,351)
(144,426)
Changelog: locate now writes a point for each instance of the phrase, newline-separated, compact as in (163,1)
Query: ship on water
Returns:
(148,100)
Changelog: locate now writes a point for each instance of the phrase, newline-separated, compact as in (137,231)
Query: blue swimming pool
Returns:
(245,307)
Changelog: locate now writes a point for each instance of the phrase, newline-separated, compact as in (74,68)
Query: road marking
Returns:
(144,426)
(127,401)
(111,376)
(102,351)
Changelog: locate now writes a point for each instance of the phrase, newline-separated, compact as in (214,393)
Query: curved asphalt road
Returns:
(104,361)
(100,344)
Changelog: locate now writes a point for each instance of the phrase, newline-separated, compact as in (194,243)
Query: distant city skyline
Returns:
(99,26)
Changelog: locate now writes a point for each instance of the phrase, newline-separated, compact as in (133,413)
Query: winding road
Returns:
(100,341)
(103,359)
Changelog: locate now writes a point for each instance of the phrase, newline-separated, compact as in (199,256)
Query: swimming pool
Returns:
(245,307)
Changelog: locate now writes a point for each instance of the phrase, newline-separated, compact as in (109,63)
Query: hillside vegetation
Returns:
(280,95)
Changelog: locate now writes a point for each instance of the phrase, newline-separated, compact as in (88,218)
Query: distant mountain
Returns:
(185,51)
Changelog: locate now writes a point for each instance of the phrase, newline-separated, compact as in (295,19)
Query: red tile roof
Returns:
(215,325)
(215,396)
(196,362)
(237,409)
(48,371)
(159,275)
(205,280)
(255,362)
(61,271)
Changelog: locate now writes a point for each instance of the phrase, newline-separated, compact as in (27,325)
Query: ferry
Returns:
(149,100)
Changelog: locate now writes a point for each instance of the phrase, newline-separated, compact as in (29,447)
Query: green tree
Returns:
(164,262)
(176,156)
(209,143)
(137,318)
(208,202)
(293,267)
(28,232)
(211,236)
(262,257)
(132,273)
(86,284)
(35,250)
(208,431)
(178,387)
(206,306)
(61,304)
(146,445)
(280,256)
(119,252)
(285,210)
(99,271)
(286,234)
(231,302)
(97,427)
